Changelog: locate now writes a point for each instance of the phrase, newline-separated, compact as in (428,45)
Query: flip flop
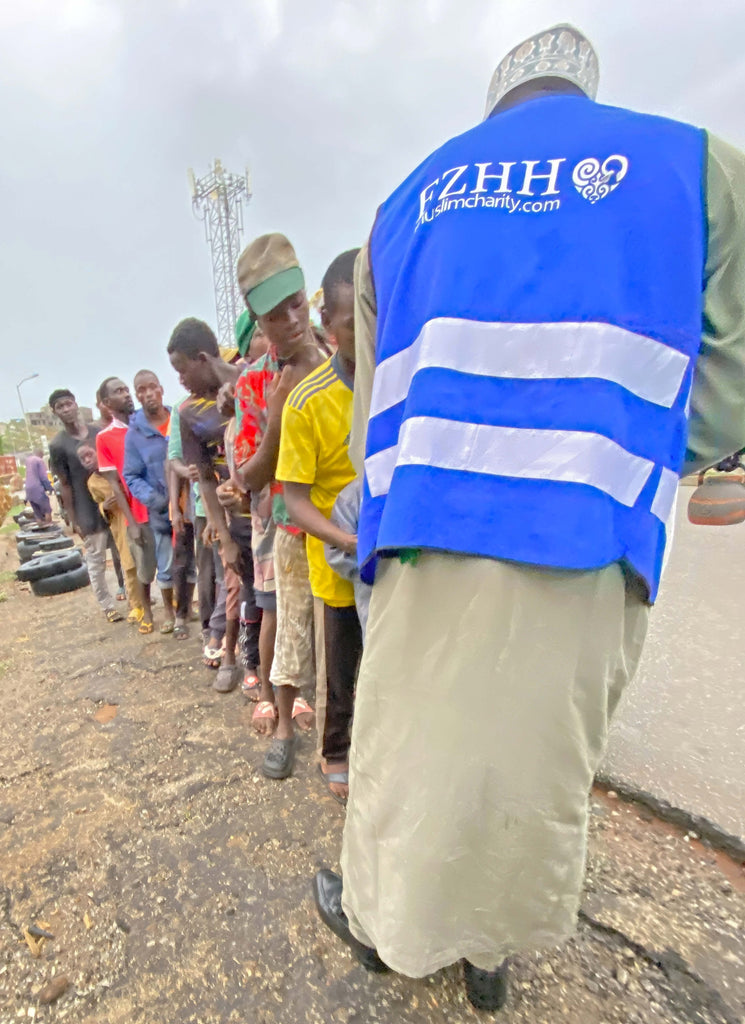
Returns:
(302,707)
(145,628)
(135,616)
(264,709)
(212,656)
(280,758)
(168,627)
(112,615)
(181,631)
(340,778)
(251,686)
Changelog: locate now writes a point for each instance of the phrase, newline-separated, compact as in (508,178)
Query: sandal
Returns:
(339,778)
(145,628)
(251,685)
(168,627)
(264,709)
(112,615)
(226,679)
(302,707)
(212,656)
(181,631)
(135,616)
(280,759)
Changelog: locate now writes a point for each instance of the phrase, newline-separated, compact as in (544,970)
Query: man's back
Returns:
(539,315)
(487,428)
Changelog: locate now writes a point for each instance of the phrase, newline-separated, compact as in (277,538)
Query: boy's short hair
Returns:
(190,337)
(103,391)
(341,271)
(58,394)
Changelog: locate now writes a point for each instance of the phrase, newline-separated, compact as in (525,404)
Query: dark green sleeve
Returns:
(365,326)
(717,419)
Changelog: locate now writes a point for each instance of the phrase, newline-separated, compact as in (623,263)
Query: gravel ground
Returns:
(136,829)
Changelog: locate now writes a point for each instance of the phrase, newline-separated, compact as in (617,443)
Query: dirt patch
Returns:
(137,830)
(106,713)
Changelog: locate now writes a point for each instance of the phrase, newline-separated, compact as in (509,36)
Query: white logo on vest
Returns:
(594,180)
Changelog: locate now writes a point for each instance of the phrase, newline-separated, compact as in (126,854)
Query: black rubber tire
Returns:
(62,583)
(55,544)
(27,549)
(42,566)
(34,536)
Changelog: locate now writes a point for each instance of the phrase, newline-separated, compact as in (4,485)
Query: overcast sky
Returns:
(104,104)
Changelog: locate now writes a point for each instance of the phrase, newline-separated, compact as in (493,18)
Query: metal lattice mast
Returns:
(217,199)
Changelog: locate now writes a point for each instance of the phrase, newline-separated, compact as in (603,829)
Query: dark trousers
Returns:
(343,642)
(250,613)
(183,569)
(206,580)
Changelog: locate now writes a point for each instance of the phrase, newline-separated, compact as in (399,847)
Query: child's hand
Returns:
(228,495)
(278,393)
(349,544)
(226,399)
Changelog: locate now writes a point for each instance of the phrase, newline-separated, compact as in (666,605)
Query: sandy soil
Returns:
(136,829)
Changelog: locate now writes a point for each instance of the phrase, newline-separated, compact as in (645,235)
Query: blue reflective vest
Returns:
(539,283)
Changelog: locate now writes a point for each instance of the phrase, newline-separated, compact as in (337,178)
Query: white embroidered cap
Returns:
(559,52)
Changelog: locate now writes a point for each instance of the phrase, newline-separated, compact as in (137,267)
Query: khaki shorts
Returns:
(143,555)
(294,664)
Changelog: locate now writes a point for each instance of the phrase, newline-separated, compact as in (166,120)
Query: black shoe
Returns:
(327,888)
(486,990)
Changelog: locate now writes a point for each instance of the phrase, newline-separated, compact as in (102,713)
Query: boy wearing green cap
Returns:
(273,287)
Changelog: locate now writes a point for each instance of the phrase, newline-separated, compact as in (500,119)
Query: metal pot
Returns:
(717,501)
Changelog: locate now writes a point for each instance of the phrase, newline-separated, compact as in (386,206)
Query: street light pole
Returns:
(23,410)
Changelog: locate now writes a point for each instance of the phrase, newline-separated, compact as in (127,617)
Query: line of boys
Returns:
(249,465)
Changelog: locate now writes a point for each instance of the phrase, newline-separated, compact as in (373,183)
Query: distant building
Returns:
(46,419)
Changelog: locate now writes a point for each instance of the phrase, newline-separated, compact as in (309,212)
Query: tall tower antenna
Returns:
(217,199)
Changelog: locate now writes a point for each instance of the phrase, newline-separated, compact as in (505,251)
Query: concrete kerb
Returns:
(732,846)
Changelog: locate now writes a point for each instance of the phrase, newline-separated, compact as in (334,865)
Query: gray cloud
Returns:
(105,104)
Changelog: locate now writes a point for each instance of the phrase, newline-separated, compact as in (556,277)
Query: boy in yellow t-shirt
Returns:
(314,467)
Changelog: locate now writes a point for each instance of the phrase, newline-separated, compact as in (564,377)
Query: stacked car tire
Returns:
(50,562)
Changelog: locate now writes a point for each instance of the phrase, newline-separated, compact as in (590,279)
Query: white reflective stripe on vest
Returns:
(645,367)
(568,456)
(664,499)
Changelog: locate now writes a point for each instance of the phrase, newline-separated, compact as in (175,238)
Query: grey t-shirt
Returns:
(63,458)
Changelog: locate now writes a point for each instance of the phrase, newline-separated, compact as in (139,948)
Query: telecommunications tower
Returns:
(217,199)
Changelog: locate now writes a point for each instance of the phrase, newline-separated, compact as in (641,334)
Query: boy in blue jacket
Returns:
(145,456)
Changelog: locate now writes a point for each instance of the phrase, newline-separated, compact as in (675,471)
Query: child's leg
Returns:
(293,650)
(343,642)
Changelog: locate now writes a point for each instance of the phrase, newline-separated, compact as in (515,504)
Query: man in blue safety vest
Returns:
(550,331)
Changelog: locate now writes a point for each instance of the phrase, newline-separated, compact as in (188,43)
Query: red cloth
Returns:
(110,450)
(251,423)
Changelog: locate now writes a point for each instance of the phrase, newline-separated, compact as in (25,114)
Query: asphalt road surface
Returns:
(680,733)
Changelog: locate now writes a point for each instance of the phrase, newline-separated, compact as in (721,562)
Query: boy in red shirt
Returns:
(115,396)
